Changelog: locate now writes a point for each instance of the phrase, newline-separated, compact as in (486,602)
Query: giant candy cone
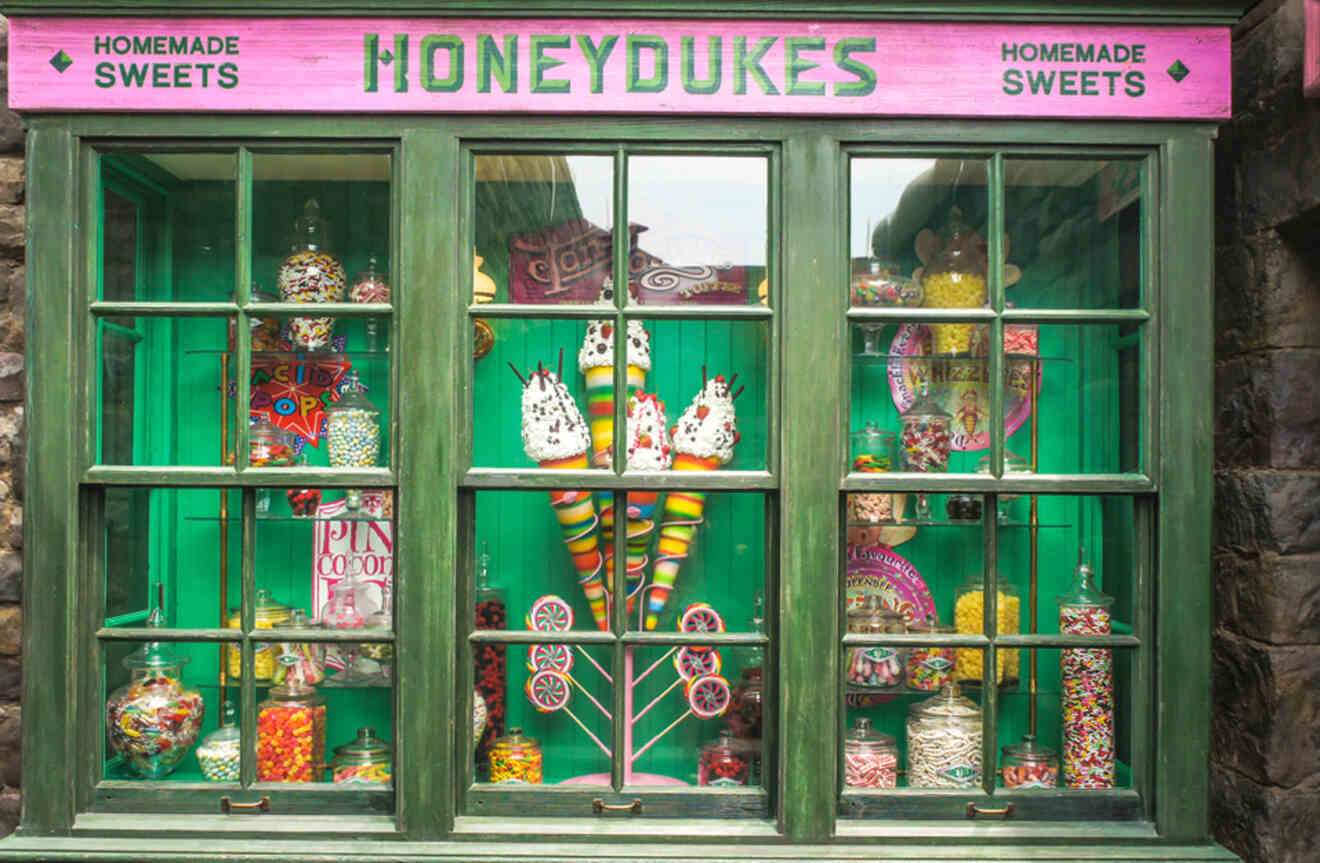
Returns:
(576,511)
(600,406)
(641,526)
(682,515)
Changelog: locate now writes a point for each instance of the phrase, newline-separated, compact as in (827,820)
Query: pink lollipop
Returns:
(550,657)
(548,691)
(550,613)
(700,617)
(708,696)
(691,664)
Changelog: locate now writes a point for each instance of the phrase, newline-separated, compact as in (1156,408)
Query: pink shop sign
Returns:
(619,66)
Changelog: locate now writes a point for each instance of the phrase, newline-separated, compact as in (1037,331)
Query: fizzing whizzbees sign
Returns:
(624,66)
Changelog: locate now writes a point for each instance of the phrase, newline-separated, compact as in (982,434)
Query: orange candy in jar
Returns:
(291,734)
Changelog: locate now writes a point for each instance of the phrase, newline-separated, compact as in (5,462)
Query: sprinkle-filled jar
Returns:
(874,450)
(516,759)
(291,734)
(955,279)
(353,427)
(722,762)
(1087,676)
(944,741)
(969,618)
(311,275)
(1029,765)
(929,668)
(295,656)
(154,720)
(924,442)
(268,615)
(870,758)
(219,752)
(365,758)
(878,668)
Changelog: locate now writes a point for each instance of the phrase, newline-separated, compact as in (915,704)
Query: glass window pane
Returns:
(167,226)
(1074,231)
(544,228)
(700,224)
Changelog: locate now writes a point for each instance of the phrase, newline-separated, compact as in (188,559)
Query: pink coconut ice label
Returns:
(619,66)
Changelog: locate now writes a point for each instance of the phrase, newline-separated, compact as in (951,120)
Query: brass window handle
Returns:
(973,810)
(598,806)
(226,804)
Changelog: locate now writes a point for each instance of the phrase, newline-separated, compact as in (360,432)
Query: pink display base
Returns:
(637,779)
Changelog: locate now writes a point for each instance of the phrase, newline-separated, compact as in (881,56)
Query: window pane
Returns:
(1074,230)
(168,226)
(544,229)
(701,224)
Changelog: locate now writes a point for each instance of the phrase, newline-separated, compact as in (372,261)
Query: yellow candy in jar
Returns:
(952,290)
(968,615)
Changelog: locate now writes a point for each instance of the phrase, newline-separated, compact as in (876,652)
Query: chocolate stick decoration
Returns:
(561,362)
(703,376)
(518,373)
(540,371)
(733,380)
(734,397)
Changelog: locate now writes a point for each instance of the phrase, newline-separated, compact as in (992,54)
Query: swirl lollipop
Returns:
(550,613)
(708,696)
(550,657)
(548,691)
(691,664)
(700,617)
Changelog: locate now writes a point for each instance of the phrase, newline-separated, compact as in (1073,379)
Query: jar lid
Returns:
(1030,750)
(863,736)
(873,616)
(364,748)
(310,228)
(1013,463)
(298,622)
(960,248)
(930,625)
(228,730)
(872,430)
(515,740)
(726,742)
(352,396)
(372,273)
(155,655)
(926,407)
(976,582)
(1084,591)
(948,703)
(265,606)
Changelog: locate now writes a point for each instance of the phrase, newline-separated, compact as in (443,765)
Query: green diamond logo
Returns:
(962,774)
(386,57)
(61,61)
(1178,71)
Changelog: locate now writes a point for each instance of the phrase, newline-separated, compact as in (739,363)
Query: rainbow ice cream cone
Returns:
(648,450)
(704,437)
(555,436)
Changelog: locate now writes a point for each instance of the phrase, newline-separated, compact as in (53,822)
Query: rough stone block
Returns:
(11,679)
(1257,511)
(1265,597)
(12,377)
(1267,410)
(11,576)
(11,630)
(12,179)
(1266,292)
(1266,719)
(1261,824)
(13,230)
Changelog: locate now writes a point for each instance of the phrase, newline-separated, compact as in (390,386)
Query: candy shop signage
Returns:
(362,548)
(626,66)
(293,392)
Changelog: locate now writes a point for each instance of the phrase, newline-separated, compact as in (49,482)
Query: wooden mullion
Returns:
(585,312)
(996,288)
(990,656)
(178,476)
(247,622)
(87,684)
(903,314)
(1143,674)
(242,296)
(338,310)
(1061,484)
(620,654)
(1076,316)
(162,309)
(537,479)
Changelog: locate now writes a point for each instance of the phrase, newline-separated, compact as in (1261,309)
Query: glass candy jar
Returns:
(291,734)
(929,668)
(722,762)
(219,752)
(268,614)
(370,287)
(969,618)
(268,446)
(870,758)
(924,442)
(1087,676)
(516,759)
(1029,765)
(879,668)
(490,667)
(349,607)
(154,719)
(310,274)
(944,741)
(1013,464)
(353,434)
(365,758)
(881,283)
(874,450)
(295,656)
(380,652)
(955,279)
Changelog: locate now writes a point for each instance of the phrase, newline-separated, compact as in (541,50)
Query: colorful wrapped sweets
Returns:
(555,436)
(1088,687)
(704,437)
(649,449)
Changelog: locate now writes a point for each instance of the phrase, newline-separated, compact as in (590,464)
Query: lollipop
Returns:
(548,691)
(708,696)
(700,617)
(550,657)
(691,664)
(550,613)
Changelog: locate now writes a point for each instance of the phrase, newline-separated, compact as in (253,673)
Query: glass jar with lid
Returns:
(369,286)
(1087,676)
(516,759)
(154,719)
(219,752)
(870,757)
(291,733)
(1014,464)
(293,654)
(721,763)
(268,613)
(365,758)
(349,607)
(925,441)
(929,667)
(969,618)
(877,668)
(944,741)
(874,450)
(352,431)
(1029,765)
(881,283)
(310,274)
(489,660)
(955,278)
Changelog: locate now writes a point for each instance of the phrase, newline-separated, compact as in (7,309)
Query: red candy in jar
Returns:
(721,763)
(291,735)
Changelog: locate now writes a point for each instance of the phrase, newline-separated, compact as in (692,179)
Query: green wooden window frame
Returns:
(433,478)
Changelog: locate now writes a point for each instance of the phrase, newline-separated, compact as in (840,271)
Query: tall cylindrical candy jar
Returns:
(924,442)
(955,279)
(310,274)
(291,734)
(1088,686)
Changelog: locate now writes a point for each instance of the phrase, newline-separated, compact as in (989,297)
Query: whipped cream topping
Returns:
(598,346)
(709,426)
(648,437)
(552,425)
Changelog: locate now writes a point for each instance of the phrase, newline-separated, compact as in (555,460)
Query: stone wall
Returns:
(1265,756)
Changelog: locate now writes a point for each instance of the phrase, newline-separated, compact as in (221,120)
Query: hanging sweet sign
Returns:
(623,66)
(292,391)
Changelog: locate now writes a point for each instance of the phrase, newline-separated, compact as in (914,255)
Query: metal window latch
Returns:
(973,810)
(227,805)
(598,806)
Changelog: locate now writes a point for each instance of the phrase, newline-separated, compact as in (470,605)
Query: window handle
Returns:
(973,810)
(598,806)
(226,804)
